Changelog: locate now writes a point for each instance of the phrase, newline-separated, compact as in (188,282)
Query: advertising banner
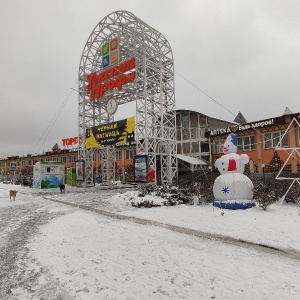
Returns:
(115,133)
(79,170)
(48,174)
(13,165)
(140,163)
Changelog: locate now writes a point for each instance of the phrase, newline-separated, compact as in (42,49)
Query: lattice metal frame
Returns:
(293,153)
(152,89)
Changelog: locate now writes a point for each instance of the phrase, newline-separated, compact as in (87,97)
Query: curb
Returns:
(188,231)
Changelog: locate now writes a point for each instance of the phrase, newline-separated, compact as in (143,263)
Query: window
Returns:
(72,158)
(195,147)
(94,156)
(63,159)
(52,170)
(219,146)
(186,148)
(194,133)
(204,146)
(129,154)
(179,148)
(118,155)
(185,127)
(272,139)
(185,134)
(246,143)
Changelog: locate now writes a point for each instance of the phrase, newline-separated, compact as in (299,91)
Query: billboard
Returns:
(115,133)
(140,163)
(79,170)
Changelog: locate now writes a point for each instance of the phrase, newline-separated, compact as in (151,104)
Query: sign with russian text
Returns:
(70,141)
(115,133)
(237,128)
(115,77)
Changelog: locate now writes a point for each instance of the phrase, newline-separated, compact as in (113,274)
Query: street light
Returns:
(263,169)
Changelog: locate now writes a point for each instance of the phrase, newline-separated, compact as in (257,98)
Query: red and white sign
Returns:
(70,141)
(99,84)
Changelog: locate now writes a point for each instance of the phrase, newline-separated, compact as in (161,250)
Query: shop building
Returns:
(191,127)
(267,142)
(192,145)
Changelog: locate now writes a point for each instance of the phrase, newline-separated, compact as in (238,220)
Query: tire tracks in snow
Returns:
(192,232)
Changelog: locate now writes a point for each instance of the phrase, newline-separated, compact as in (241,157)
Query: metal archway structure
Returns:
(145,63)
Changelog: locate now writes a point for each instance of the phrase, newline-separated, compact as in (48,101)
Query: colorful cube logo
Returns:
(114,57)
(105,49)
(110,52)
(114,44)
(105,61)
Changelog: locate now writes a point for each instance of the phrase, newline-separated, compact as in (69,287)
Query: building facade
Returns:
(198,136)
(191,127)
(267,142)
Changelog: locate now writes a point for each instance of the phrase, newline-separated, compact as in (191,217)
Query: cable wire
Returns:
(49,127)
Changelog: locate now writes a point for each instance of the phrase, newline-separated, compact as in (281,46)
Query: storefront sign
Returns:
(237,128)
(70,141)
(112,78)
(115,133)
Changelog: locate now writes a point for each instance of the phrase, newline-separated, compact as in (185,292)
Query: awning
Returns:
(193,161)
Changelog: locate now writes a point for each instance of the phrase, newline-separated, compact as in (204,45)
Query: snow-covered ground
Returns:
(75,253)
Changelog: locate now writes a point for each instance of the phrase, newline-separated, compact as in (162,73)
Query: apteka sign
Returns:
(236,128)
(114,77)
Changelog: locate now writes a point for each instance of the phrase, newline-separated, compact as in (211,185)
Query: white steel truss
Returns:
(152,90)
(294,153)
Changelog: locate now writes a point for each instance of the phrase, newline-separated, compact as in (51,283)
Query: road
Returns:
(53,251)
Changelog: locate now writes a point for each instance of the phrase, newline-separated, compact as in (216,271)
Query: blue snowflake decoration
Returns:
(225,190)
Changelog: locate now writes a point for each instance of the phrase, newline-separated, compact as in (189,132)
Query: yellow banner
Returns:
(115,133)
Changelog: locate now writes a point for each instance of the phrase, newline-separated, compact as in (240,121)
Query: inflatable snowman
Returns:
(232,189)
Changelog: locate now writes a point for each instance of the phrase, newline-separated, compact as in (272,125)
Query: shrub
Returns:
(171,196)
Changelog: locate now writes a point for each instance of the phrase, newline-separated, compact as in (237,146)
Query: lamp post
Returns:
(210,172)
(263,169)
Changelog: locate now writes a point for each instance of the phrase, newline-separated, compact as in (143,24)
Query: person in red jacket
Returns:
(151,174)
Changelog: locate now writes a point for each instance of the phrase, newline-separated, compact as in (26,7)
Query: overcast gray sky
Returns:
(245,54)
